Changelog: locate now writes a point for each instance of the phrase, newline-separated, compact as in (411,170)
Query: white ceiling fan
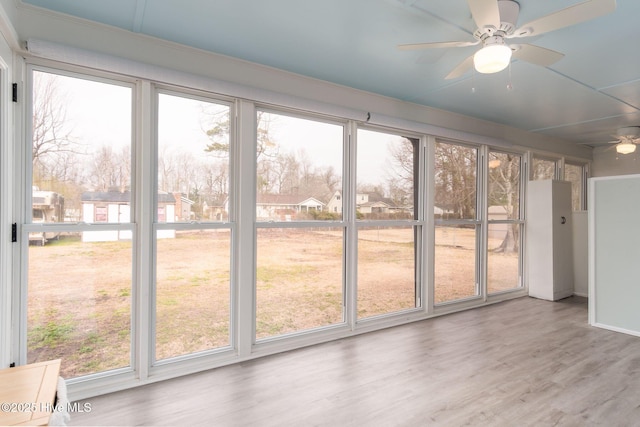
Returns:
(496,21)
(626,139)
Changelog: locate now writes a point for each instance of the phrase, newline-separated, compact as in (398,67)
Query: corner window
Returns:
(79,280)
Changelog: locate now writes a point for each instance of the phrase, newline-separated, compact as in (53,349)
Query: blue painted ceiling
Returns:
(584,97)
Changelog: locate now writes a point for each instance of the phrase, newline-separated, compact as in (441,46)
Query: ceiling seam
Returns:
(139,15)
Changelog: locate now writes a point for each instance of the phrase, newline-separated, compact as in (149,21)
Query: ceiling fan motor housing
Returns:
(509,12)
(629,132)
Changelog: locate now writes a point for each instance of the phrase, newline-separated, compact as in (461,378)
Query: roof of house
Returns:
(286,199)
(119,197)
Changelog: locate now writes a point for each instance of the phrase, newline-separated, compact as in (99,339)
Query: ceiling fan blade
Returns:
(597,144)
(415,46)
(485,12)
(536,54)
(572,15)
(461,69)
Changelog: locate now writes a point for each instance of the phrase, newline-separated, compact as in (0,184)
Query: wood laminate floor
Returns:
(524,362)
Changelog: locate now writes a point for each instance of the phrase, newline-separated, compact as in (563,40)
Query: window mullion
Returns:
(144,261)
(244,243)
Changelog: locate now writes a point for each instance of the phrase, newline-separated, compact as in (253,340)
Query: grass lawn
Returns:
(80,294)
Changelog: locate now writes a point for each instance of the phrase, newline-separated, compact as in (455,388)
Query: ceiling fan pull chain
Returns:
(509,84)
(473,82)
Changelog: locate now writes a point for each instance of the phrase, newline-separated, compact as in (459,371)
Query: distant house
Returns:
(442,211)
(182,208)
(115,207)
(215,209)
(369,204)
(285,207)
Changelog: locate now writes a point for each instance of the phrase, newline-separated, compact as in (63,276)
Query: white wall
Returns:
(614,232)
(606,162)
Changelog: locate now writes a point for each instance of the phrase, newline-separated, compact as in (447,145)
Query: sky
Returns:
(100,114)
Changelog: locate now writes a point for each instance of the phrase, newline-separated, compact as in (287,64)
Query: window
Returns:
(193,244)
(300,235)
(101,214)
(388,232)
(543,168)
(504,222)
(457,226)
(151,256)
(575,173)
(79,281)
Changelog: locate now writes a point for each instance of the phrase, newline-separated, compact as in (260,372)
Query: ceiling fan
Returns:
(496,21)
(626,139)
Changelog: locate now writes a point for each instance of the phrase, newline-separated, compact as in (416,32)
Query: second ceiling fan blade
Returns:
(414,46)
(572,15)
(536,54)
(461,69)
(485,13)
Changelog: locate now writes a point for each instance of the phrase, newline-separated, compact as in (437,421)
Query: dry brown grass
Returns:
(79,305)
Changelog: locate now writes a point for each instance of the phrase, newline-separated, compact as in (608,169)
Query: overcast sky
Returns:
(100,114)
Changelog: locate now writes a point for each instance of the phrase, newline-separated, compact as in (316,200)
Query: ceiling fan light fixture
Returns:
(625,147)
(492,58)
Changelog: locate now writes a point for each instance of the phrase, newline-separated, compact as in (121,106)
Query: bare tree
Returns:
(52,141)
(218,132)
(455,179)
(109,170)
(504,190)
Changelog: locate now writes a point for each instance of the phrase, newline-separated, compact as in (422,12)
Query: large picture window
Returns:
(193,240)
(167,229)
(388,232)
(79,279)
(300,236)
(456,222)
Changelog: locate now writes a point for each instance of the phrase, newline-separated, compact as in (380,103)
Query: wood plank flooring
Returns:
(524,362)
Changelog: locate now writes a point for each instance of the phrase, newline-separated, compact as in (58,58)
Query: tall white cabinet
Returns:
(549,246)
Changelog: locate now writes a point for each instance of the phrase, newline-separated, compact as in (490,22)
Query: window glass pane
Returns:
(455,181)
(573,174)
(504,186)
(543,169)
(299,169)
(455,262)
(386,270)
(503,266)
(79,283)
(81,150)
(385,176)
(503,259)
(192,291)
(299,279)
(79,304)
(193,160)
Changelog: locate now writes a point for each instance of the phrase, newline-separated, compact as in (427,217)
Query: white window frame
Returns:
(25,211)
(159,367)
(524,177)
(477,222)
(419,225)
